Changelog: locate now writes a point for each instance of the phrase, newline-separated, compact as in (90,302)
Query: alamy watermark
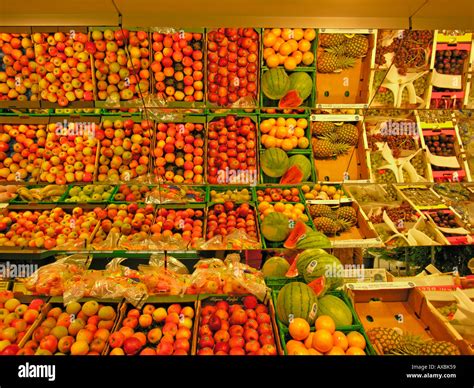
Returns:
(31,371)
(12,270)
(231,176)
(399,128)
(65,128)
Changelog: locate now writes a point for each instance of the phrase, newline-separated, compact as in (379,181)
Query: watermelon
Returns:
(292,176)
(313,263)
(274,162)
(302,83)
(296,299)
(303,163)
(275,267)
(275,227)
(313,239)
(275,83)
(298,232)
(290,100)
(336,308)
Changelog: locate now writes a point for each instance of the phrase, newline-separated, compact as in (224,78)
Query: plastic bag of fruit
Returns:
(245,279)
(51,279)
(134,242)
(175,194)
(118,281)
(172,243)
(77,288)
(160,280)
(173,264)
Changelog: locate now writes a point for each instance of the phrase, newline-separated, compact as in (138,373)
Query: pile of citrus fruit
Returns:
(295,212)
(325,340)
(321,191)
(286,134)
(290,47)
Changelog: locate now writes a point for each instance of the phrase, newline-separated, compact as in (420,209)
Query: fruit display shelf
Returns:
(64,65)
(446,160)
(163,326)
(20,86)
(452,59)
(248,325)
(121,65)
(178,67)
(344,79)
(451,225)
(339,148)
(232,65)
(237,135)
(421,197)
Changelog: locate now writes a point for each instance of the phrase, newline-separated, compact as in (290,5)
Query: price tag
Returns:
(311,266)
(314,311)
(399,318)
(455,82)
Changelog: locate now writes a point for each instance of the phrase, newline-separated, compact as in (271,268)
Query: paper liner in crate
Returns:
(397,83)
(115,282)
(172,280)
(51,279)
(460,230)
(227,277)
(443,161)
(398,165)
(463,319)
(417,238)
(446,81)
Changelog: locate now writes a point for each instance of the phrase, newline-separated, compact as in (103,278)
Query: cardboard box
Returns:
(401,305)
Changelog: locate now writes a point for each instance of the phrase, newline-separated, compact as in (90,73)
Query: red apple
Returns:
(132,345)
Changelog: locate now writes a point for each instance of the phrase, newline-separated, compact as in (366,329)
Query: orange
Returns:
(336,351)
(300,352)
(276,31)
(340,340)
(282,132)
(285,49)
(267,52)
(302,123)
(355,339)
(303,142)
(309,34)
(299,132)
(299,329)
(270,142)
(304,45)
(291,345)
(354,351)
(279,207)
(290,122)
(308,58)
(269,39)
(280,121)
(308,342)
(287,145)
(287,33)
(290,63)
(322,341)
(265,126)
(273,60)
(325,322)
(279,41)
(282,58)
(314,352)
(298,33)
(293,44)
(298,55)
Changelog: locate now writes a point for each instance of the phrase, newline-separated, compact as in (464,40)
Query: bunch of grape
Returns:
(435,116)
(412,51)
(449,310)
(396,143)
(450,61)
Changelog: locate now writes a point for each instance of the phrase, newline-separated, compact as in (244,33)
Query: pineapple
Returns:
(439,348)
(331,40)
(348,134)
(410,345)
(348,214)
(326,225)
(329,62)
(320,128)
(324,148)
(357,46)
(321,211)
(385,339)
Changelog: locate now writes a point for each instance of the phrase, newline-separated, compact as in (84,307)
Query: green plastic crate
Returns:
(253,195)
(110,200)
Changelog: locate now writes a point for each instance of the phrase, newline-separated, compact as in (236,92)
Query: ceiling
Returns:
(430,14)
